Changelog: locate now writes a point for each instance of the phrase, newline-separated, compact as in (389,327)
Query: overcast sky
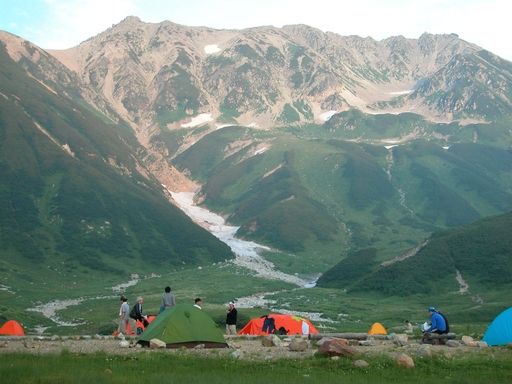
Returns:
(65,23)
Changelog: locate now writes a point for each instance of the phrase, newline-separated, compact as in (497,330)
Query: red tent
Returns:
(294,325)
(12,328)
(138,323)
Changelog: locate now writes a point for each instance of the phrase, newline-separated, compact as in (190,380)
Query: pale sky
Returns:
(62,24)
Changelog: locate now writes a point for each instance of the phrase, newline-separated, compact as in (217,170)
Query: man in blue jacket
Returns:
(438,325)
(438,322)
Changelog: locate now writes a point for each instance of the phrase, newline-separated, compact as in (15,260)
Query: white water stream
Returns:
(246,252)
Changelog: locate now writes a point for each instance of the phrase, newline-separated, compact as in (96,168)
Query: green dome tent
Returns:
(184,325)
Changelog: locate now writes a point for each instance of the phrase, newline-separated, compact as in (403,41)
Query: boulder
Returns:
(124,344)
(361,364)
(452,343)
(481,344)
(424,350)
(337,347)
(276,341)
(405,360)
(366,343)
(156,344)
(323,340)
(468,341)
(267,341)
(236,354)
(399,339)
(199,346)
(298,345)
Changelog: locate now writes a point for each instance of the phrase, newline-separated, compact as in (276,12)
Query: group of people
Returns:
(129,318)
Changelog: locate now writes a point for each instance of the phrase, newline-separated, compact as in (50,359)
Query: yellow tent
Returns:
(377,329)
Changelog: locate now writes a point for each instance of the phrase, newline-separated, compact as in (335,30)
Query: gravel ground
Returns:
(240,348)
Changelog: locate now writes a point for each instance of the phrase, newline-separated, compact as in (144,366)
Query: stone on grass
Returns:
(405,360)
(337,347)
(335,358)
(298,345)
(469,341)
(124,344)
(276,341)
(199,346)
(366,343)
(424,350)
(399,339)
(481,344)
(452,343)
(236,354)
(361,364)
(108,371)
(156,344)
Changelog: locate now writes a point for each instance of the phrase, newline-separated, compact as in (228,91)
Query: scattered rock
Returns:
(424,350)
(405,360)
(400,339)
(108,371)
(337,347)
(335,358)
(469,341)
(361,364)
(354,343)
(236,354)
(124,344)
(4,344)
(276,341)
(452,343)
(298,345)
(481,344)
(322,340)
(199,346)
(156,344)
(268,358)
(54,338)
(267,341)
(366,343)
(86,337)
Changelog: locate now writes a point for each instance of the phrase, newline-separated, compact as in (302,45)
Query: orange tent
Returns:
(377,329)
(138,323)
(12,328)
(294,325)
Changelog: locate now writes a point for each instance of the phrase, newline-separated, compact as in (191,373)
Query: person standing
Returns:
(124,316)
(168,300)
(231,319)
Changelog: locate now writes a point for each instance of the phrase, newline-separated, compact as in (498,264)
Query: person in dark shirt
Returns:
(231,319)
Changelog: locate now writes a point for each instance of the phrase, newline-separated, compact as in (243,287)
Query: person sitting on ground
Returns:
(438,324)
(168,300)
(198,303)
(137,314)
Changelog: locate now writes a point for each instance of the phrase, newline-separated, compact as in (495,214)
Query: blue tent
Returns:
(500,330)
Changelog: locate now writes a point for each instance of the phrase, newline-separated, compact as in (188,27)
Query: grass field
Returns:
(490,367)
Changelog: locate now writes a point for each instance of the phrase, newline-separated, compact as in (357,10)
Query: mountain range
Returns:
(317,145)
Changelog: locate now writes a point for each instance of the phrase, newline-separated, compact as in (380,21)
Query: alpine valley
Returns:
(381,171)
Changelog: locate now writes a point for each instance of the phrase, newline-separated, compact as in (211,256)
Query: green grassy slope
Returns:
(86,209)
(481,252)
(304,190)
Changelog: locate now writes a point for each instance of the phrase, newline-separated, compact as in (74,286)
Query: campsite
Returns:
(184,343)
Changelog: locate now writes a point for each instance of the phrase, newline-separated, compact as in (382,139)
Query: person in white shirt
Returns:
(198,303)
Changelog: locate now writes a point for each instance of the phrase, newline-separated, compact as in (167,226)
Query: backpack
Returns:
(133,312)
(446,322)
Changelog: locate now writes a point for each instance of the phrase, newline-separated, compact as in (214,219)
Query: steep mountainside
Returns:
(164,74)
(74,195)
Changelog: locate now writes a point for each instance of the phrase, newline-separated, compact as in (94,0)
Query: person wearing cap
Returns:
(231,319)
(438,323)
